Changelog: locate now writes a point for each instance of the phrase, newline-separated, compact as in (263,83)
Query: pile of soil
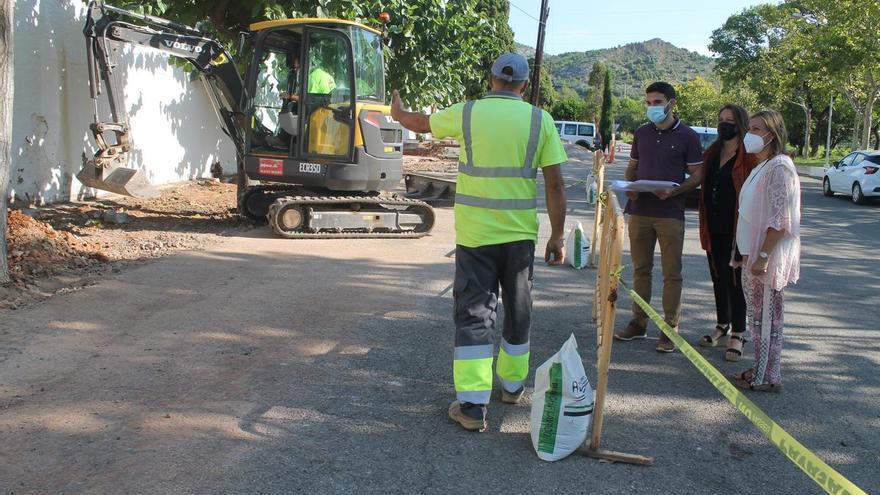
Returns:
(435,148)
(429,164)
(35,248)
(64,247)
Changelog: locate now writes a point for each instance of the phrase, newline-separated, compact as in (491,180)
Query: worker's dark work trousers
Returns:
(479,272)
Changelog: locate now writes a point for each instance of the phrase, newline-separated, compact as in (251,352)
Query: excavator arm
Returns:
(107,29)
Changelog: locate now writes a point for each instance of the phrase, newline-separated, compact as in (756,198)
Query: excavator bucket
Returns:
(436,189)
(119,180)
(105,171)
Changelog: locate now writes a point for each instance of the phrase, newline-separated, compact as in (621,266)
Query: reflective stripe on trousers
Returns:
(472,370)
(472,373)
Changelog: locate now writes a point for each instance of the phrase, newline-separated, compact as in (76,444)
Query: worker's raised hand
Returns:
(555,252)
(396,104)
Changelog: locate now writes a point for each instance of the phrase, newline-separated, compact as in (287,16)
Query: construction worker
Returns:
(504,141)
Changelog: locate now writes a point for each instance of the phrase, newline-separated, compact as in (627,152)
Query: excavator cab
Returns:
(316,145)
(316,109)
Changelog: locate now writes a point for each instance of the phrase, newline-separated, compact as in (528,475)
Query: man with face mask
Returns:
(664,149)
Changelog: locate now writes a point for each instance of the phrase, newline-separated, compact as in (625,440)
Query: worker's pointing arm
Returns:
(414,121)
(554,190)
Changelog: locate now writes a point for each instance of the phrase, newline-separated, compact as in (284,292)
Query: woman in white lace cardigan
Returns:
(768,237)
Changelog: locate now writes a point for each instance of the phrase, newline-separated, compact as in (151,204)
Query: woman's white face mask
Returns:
(754,143)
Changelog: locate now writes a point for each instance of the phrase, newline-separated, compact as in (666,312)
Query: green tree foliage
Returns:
(843,40)
(606,118)
(570,107)
(548,96)
(630,114)
(796,54)
(698,102)
(595,88)
(497,12)
(767,47)
(438,49)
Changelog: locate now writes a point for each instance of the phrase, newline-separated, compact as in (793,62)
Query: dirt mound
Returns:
(68,246)
(35,248)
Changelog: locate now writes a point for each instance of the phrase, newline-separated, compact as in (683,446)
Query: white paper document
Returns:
(641,185)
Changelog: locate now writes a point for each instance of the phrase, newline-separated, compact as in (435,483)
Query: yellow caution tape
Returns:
(830,480)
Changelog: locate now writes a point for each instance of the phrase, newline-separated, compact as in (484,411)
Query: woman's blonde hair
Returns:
(774,123)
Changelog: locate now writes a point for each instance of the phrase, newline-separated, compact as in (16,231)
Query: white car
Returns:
(708,135)
(856,175)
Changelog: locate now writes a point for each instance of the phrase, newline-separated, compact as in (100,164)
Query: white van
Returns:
(576,131)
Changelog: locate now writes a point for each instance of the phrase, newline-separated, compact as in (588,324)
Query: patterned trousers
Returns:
(764,308)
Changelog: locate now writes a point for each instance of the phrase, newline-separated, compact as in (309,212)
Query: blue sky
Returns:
(579,25)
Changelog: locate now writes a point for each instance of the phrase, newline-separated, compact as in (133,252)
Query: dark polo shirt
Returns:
(663,154)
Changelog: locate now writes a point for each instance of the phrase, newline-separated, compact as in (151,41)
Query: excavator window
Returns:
(370,80)
(328,99)
(272,76)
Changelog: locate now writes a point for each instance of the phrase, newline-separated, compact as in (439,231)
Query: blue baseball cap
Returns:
(517,63)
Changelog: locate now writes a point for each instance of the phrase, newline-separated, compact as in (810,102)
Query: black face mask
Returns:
(727,130)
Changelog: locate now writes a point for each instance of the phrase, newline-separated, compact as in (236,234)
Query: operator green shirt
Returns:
(321,82)
(500,126)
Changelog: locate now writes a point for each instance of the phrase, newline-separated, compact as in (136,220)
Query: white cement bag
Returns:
(592,189)
(562,404)
(578,246)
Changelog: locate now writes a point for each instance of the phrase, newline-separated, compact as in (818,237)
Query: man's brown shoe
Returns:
(466,422)
(665,345)
(632,331)
(512,397)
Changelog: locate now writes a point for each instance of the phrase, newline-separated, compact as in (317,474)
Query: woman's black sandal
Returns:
(708,341)
(733,354)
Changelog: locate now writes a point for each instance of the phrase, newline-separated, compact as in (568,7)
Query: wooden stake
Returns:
(611,456)
(599,176)
(613,232)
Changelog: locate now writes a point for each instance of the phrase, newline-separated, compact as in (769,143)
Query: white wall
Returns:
(175,131)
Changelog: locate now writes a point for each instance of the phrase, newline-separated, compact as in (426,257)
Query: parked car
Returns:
(576,131)
(855,175)
(708,135)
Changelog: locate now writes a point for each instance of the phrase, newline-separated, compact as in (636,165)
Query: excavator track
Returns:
(350,217)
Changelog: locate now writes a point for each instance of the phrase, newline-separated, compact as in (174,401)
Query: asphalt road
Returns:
(265,365)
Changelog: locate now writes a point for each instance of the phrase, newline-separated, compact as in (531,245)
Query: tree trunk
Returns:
(6,86)
(876,132)
(857,132)
(808,113)
(857,120)
(867,117)
(807,124)
(818,139)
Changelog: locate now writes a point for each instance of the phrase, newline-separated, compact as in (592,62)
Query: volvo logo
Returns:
(180,45)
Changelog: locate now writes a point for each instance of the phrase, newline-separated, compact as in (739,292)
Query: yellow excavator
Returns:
(316,145)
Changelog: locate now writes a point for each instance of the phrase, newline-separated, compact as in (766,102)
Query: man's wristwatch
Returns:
(764,256)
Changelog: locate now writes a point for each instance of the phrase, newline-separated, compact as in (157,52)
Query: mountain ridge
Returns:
(633,65)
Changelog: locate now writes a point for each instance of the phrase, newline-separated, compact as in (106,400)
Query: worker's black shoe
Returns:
(471,417)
